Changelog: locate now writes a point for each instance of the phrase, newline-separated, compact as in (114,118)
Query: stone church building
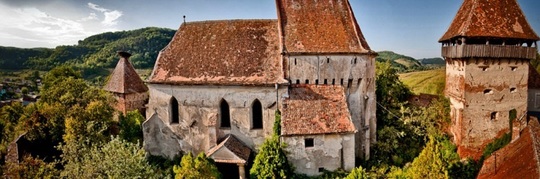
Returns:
(216,86)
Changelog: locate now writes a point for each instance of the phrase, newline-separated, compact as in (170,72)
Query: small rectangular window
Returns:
(333,81)
(493,116)
(308,142)
(325,81)
(297,81)
(321,169)
(307,81)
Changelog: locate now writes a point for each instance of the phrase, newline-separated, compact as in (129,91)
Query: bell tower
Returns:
(487,49)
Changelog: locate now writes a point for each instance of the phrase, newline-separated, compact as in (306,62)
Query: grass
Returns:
(429,82)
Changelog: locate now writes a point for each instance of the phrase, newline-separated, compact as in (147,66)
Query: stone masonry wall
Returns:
(481,103)
(198,125)
(357,74)
(329,152)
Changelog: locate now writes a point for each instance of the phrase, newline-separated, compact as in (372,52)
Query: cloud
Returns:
(33,27)
(96,7)
(110,16)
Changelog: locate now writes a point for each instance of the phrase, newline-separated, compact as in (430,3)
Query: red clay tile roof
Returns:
(490,18)
(226,52)
(320,26)
(235,146)
(518,159)
(316,109)
(124,79)
(534,78)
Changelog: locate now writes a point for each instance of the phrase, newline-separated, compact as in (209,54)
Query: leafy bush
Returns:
(200,167)
(496,145)
(130,126)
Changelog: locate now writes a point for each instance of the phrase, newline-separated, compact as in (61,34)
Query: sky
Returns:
(409,27)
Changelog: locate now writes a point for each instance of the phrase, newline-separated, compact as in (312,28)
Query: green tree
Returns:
(24,91)
(434,160)
(200,167)
(397,142)
(114,159)
(358,173)
(30,167)
(130,126)
(271,161)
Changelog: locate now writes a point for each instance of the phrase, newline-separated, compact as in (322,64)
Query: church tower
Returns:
(487,49)
(127,87)
(323,46)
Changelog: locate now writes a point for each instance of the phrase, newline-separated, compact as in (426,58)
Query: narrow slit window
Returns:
(316,82)
(174,111)
(488,91)
(308,142)
(307,81)
(484,68)
(349,84)
(257,114)
(297,81)
(355,60)
(325,81)
(295,61)
(225,114)
(493,115)
(333,81)
(327,60)
(341,81)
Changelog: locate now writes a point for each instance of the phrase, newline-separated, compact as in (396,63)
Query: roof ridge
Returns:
(228,20)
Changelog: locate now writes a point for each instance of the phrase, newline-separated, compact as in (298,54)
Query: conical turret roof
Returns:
(490,19)
(124,79)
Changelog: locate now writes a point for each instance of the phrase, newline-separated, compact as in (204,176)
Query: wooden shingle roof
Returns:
(224,52)
(316,109)
(230,145)
(319,26)
(124,79)
(490,19)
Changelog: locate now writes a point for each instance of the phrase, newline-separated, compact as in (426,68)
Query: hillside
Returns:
(432,62)
(401,62)
(94,52)
(15,58)
(429,82)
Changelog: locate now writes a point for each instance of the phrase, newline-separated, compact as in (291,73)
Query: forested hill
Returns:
(405,63)
(97,51)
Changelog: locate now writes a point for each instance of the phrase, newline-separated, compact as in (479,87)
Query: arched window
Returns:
(257,114)
(174,111)
(224,114)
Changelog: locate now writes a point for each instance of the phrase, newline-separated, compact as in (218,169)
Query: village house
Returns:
(217,85)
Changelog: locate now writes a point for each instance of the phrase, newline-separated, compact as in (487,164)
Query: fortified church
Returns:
(218,84)
(216,88)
